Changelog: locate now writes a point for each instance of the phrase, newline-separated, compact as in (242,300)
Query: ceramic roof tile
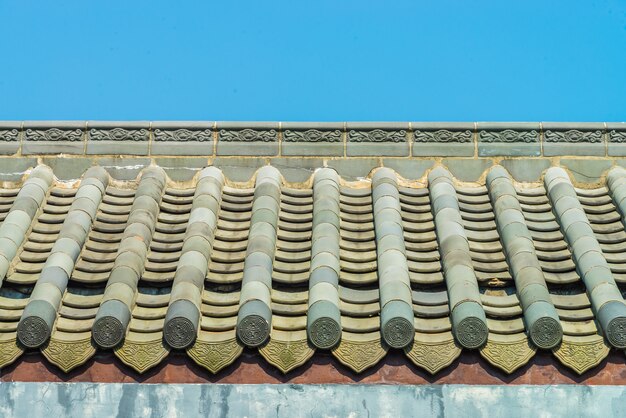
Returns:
(211,266)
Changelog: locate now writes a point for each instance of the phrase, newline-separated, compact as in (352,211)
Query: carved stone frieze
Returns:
(573,136)
(617,136)
(9,135)
(68,355)
(54,134)
(312,135)
(119,134)
(378,135)
(248,135)
(214,356)
(443,136)
(183,135)
(433,356)
(287,355)
(509,135)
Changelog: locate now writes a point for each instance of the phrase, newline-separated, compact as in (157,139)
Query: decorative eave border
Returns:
(328,139)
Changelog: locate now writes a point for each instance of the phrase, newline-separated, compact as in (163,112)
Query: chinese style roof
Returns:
(291,239)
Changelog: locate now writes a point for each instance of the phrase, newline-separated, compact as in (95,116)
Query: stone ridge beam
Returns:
(254,321)
(469,322)
(396,318)
(324,315)
(38,317)
(540,315)
(113,317)
(21,215)
(607,302)
(183,314)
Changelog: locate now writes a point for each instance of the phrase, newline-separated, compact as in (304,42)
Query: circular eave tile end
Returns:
(33,332)
(546,333)
(179,333)
(108,332)
(253,330)
(616,332)
(325,333)
(398,332)
(472,333)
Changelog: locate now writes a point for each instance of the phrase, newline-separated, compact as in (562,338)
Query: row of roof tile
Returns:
(357,268)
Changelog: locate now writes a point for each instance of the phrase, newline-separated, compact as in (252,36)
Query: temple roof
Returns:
(343,254)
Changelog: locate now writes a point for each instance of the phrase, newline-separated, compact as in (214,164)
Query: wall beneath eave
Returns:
(87,400)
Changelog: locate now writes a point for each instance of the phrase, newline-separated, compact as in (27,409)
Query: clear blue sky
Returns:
(313,60)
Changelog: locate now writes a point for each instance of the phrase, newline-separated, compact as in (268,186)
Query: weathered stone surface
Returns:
(68,168)
(410,169)
(353,169)
(14,168)
(122,168)
(586,170)
(526,169)
(467,169)
(183,168)
(282,400)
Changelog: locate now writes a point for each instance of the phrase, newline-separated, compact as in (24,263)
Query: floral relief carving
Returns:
(142,356)
(287,355)
(359,355)
(9,135)
(312,135)
(509,135)
(443,135)
(118,134)
(215,356)
(510,355)
(581,356)
(573,136)
(378,135)
(617,136)
(183,135)
(248,135)
(68,355)
(54,134)
(9,352)
(433,357)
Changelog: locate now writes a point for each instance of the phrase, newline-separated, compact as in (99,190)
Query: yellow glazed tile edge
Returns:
(214,356)
(69,355)
(287,355)
(508,355)
(142,355)
(9,351)
(581,354)
(359,355)
(433,356)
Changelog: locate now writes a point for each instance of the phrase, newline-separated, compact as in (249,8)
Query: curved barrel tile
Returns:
(469,322)
(607,302)
(114,313)
(540,315)
(254,321)
(21,215)
(40,314)
(183,314)
(324,315)
(397,320)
